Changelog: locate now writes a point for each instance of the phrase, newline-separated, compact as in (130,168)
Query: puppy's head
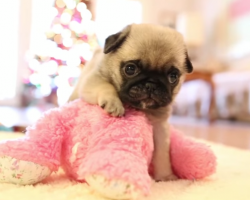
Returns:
(146,64)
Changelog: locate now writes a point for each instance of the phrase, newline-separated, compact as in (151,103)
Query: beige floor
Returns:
(228,133)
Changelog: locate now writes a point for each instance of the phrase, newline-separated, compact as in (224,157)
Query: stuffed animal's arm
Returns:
(33,157)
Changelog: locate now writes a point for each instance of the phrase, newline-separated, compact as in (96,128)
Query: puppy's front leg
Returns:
(108,99)
(94,89)
(161,157)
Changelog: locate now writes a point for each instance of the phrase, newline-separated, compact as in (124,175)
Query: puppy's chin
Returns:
(144,104)
(147,104)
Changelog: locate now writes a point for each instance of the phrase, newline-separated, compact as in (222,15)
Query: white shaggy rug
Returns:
(231,182)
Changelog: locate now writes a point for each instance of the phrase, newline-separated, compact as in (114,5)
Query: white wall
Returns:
(15,18)
(153,9)
(114,15)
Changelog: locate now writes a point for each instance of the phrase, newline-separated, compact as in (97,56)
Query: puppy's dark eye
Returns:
(173,77)
(131,69)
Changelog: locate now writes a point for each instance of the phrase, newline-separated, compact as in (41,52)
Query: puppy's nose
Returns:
(150,86)
(152,80)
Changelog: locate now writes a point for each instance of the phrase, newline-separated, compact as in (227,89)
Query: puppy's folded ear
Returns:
(188,63)
(113,42)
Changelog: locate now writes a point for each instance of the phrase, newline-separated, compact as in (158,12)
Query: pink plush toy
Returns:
(111,154)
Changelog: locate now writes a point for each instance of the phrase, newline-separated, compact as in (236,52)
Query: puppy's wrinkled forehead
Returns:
(155,46)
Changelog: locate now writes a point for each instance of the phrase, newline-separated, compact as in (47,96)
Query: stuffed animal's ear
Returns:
(113,42)
(189,66)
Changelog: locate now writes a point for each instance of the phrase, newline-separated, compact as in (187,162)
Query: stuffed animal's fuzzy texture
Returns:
(85,141)
(190,159)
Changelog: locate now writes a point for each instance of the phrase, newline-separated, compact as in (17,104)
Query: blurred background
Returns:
(46,43)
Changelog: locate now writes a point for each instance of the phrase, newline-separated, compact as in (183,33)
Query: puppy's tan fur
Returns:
(101,79)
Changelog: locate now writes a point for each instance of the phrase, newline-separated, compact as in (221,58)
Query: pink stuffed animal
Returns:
(112,154)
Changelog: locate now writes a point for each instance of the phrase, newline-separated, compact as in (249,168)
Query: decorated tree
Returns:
(56,63)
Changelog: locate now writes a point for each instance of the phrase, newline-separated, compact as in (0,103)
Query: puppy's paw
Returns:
(112,105)
(164,175)
(170,177)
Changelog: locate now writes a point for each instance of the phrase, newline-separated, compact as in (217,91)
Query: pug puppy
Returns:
(143,66)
